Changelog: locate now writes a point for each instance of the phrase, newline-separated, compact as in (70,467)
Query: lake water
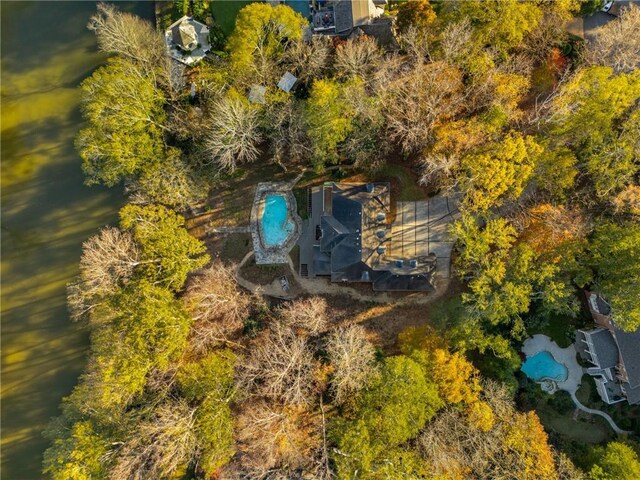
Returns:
(47,213)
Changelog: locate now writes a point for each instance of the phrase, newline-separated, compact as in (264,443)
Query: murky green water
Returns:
(47,213)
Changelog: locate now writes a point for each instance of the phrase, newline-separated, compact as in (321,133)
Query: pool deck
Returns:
(265,255)
(566,356)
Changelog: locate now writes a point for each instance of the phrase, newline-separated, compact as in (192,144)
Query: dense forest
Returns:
(190,376)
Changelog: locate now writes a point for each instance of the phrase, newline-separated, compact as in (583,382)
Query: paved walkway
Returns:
(567,356)
(600,413)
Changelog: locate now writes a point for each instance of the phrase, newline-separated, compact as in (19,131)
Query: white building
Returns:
(187,40)
(614,354)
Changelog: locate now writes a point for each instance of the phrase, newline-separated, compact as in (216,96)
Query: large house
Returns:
(347,235)
(614,354)
(341,17)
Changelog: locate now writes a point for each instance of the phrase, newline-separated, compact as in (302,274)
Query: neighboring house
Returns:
(614,354)
(346,238)
(187,40)
(340,17)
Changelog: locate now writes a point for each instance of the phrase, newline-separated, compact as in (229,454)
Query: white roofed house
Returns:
(613,353)
(187,40)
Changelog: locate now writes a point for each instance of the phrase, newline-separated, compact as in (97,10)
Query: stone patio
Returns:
(265,255)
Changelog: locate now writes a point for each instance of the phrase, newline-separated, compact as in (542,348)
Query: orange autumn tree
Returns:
(550,226)
(525,444)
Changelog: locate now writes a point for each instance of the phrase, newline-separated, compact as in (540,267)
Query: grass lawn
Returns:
(583,430)
(225,11)
(236,246)
(560,328)
(264,274)
(404,183)
(230,199)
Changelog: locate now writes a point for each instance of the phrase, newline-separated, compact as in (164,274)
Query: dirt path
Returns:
(318,286)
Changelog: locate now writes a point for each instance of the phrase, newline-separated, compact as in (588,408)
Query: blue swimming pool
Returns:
(276,223)
(543,366)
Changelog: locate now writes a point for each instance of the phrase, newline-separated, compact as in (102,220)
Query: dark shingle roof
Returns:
(343,15)
(350,239)
(605,348)
(629,345)
(603,307)
(403,283)
(321,262)
(633,394)
(333,232)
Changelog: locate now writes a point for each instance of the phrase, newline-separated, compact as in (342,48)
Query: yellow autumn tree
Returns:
(481,416)
(456,378)
(525,443)
(260,37)
(498,172)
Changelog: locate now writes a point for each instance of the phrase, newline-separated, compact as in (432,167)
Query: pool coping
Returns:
(265,255)
(566,356)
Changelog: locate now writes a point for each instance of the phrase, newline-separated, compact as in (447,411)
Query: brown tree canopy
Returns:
(217,304)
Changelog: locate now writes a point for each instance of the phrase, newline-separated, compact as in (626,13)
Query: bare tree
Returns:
(389,68)
(416,42)
(107,263)
(453,446)
(309,60)
(128,36)
(217,304)
(233,135)
(540,42)
(456,41)
(566,469)
(284,127)
(627,201)
(306,317)
(160,446)
(353,359)
(358,57)
(281,367)
(426,95)
(276,441)
(617,44)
